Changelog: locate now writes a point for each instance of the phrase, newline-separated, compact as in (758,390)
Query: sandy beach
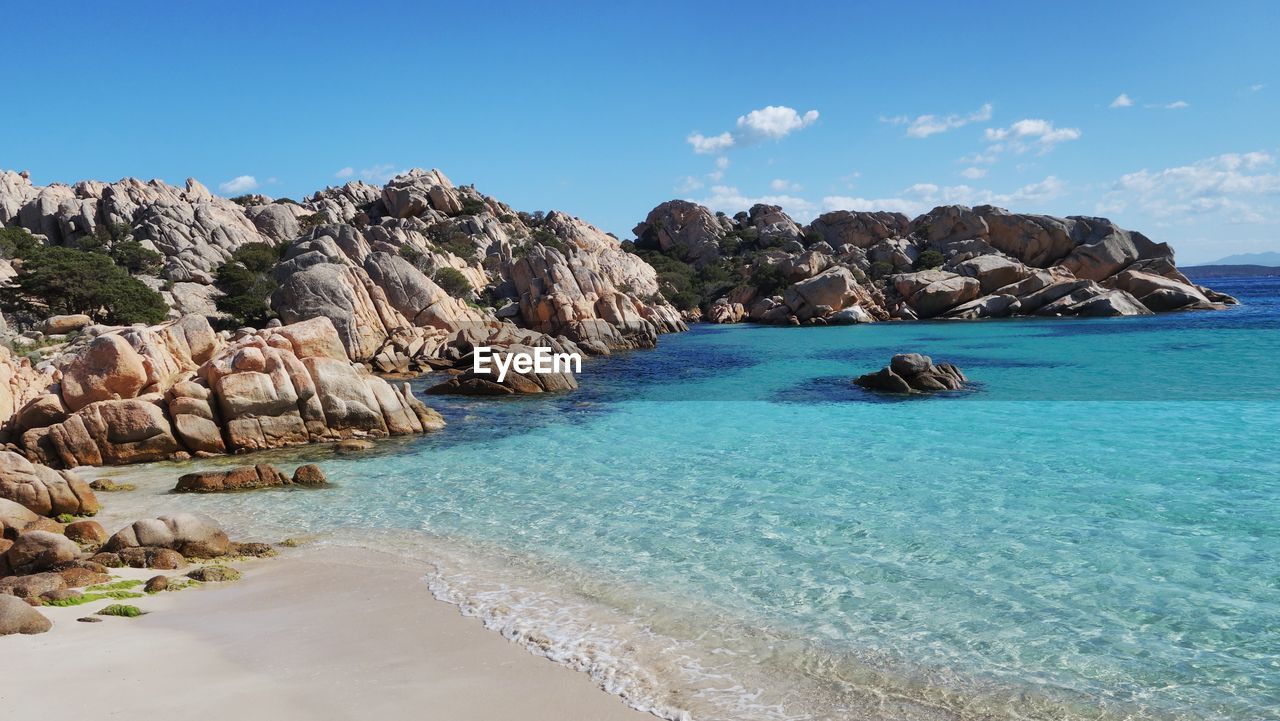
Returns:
(318,633)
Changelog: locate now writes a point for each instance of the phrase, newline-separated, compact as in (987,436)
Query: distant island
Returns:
(1231,270)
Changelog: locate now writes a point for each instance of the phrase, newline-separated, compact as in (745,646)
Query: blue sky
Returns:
(1163,116)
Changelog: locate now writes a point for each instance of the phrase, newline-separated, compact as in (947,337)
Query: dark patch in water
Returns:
(840,389)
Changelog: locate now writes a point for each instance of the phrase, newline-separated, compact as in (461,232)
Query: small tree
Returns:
(53,281)
(247,284)
(929,259)
(453,282)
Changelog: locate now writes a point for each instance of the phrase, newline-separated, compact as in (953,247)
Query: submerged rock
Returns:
(913,373)
(248,478)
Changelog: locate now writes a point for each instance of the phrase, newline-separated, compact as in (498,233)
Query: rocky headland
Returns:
(953,262)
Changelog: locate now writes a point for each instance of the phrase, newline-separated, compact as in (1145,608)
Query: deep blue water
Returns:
(726,525)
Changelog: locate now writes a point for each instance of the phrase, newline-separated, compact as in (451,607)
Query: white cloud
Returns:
(922,197)
(1122,101)
(925,125)
(1177,105)
(381,173)
(706,145)
(239,184)
(781,185)
(729,199)
(687,184)
(1240,185)
(346,172)
(773,122)
(973,173)
(1256,87)
(991,156)
(722,164)
(1029,132)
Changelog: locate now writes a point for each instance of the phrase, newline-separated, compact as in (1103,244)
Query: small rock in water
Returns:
(309,475)
(89,619)
(156,584)
(913,373)
(353,445)
(107,485)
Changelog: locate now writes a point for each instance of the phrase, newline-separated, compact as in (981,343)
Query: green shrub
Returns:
(247,284)
(472,205)
(881,268)
(16,242)
(58,281)
(767,279)
(929,259)
(544,236)
(307,222)
(451,240)
(453,282)
(282,201)
(133,257)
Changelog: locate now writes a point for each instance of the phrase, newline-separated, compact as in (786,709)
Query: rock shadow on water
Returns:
(841,389)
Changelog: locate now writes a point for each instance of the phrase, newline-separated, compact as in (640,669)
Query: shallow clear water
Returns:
(725,527)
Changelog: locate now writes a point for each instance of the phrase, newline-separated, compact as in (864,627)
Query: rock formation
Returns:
(365,256)
(953,262)
(913,373)
(247,478)
(138,394)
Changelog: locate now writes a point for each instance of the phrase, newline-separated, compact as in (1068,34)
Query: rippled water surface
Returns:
(725,527)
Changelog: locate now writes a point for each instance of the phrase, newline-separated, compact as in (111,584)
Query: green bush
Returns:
(543,236)
(453,282)
(307,222)
(472,205)
(451,240)
(247,284)
(929,259)
(133,257)
(57,281)
(767,279)
(881,268)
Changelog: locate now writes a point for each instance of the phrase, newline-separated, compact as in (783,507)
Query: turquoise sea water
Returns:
(726,528)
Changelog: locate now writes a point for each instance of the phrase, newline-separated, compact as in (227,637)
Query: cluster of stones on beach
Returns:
(44,560)
(180,390)
(851,267)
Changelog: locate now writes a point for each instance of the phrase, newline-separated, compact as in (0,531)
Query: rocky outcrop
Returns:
(860,230)
(42,490)
(193,229)
(685,229)
(913,373)
(349,259)
(176,390)
(993,263)
(185,533)
(18,617)
(247,478)
(36,551)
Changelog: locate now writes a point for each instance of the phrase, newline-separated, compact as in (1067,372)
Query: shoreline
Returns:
(316,633)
